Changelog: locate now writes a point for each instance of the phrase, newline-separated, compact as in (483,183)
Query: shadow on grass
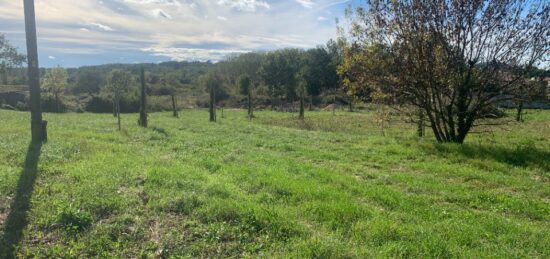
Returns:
(160,131)
(520,156)
(17,218)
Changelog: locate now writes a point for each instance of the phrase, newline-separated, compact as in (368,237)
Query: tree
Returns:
(278,71)
(55,83)
(528,89)
(335,79)
(171,82)
(244,64)
(319,71)
(9,58)
(119,83)
(88,80)
(212,82)
(454,60)
(245,87)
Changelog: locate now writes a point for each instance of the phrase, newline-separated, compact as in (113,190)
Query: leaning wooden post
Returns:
(38,127)
(143,108)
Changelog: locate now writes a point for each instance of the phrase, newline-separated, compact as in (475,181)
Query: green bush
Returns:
(48,104)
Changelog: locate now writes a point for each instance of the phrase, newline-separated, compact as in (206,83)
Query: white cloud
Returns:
(321,18)
(158,2)
(51,57)
(245,5)
(174,29)
(306,3)
(161,14)
(102,26)
(192,54)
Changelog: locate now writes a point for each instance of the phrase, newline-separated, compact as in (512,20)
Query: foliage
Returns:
(319,70)
(54,82)
(244,64)
(182,79)
(453,60)
(245,85)
(213,84)
(88,81)
(9,58)
(49,103)
(119,84)
(279,71)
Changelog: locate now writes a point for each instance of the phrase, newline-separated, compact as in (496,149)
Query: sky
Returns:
(74,33)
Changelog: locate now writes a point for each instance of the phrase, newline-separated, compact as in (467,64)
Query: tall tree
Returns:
(212,83)
(88,80)
(55,83)
(278,71)
(454,60)
(119,83)
(9,58)
(244,64)
(245,87)
(172,83)
(528,89)
(319,70)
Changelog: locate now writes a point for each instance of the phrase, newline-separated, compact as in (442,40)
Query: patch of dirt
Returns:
(144,197)
(140,181)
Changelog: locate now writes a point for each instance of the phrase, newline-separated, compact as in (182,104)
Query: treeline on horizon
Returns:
(275,78)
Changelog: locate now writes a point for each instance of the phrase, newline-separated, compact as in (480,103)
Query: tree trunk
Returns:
(420,129)
(114,108)
(311,103)
(212,107)
(118,114)
(143,101)
(4,73)
(519,115)
(57,102)
(334,105)
(37,125)
(463,125)
(174,107)
(350,104)
(250,113)
(301,107)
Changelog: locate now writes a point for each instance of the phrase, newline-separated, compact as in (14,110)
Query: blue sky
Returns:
(89,32)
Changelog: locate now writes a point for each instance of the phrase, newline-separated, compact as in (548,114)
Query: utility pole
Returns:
(38,127)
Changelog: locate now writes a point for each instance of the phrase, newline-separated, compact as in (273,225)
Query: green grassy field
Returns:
(330,187)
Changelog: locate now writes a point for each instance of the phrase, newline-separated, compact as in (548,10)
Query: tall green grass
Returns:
(328,187)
